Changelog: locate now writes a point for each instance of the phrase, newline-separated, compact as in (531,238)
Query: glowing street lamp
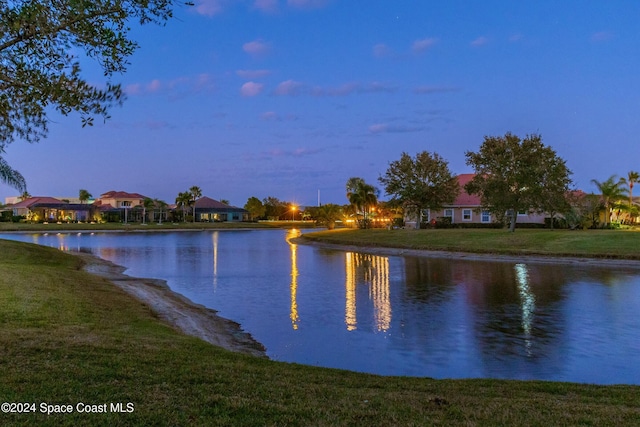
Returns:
(293,212)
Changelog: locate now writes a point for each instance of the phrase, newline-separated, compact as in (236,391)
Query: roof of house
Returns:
(50,202)
(209,203)
(464,198)
(121,195)
(28,203)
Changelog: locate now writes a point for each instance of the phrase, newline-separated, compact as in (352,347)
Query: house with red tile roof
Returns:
(120,205)
(467,209)
(120,199)
(49,209)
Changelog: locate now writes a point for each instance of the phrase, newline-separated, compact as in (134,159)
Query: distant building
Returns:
(120,206)
(210,210)
(467,209)
(49,209)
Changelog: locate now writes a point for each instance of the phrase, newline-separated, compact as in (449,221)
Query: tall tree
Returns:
(612,191)
(363,197)
(515,175)
(255,207)
(630,180)
(84,196)
(274,207)
(196,193)
(40,46)
(147,204)
(183,201)
(327,215)
(423,182)
(161,205)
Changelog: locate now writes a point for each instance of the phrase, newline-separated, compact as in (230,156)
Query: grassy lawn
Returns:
(68,337)
(622,244)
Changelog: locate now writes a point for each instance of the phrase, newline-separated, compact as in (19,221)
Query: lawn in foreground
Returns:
(68,337)
(584,243)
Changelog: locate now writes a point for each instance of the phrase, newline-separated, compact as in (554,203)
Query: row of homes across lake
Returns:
(120,206)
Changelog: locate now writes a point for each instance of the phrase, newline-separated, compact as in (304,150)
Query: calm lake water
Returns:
(394,315)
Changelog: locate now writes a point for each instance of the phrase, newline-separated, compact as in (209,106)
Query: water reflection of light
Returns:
(61,242)
(375,271)
(527,302)
(214,238)
(294,277)
(350,288)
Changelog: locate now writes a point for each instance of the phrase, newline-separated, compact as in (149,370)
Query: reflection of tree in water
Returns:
(512,308)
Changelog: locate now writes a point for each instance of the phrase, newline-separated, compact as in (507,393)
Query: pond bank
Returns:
(470,256)
(176,310)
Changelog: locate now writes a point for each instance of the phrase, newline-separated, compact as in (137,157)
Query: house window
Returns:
(466,214)
(125,204)
(448,213)
(486,216)
(236,216)
(522,213)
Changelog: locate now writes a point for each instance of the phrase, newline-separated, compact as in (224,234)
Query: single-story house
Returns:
(210,210)
(49,209)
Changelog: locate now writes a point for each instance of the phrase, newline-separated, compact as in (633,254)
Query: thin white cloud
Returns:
(203,81)
(297,152)
(422,45)
(256,47)
(601,36)
(178,86)
(133,89)
(250,89)
(379,128)
(154,86)
(210,7)
(515,38)
(289,87)
(267,6)
(426,90)
(480,41)
(307,4)
(381,50)
(352,88)
(270,116)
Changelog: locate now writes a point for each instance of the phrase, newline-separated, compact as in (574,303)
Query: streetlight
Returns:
(293,212)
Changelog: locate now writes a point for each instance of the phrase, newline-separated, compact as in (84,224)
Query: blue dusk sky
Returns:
(290,98)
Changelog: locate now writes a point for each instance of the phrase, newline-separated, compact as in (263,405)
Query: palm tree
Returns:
(183,201)
(162,206)
(632,178)
(11,177)
(147,203)
(25,195)
(84,196)
(196,193)
(327,215)
(611,191)
(352,184)
(362,196)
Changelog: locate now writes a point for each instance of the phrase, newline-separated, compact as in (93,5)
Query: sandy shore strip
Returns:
(469,256)
(176,310)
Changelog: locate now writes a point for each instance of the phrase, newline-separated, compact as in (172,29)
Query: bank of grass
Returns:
(67,337)
(615,244)
(153,226)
